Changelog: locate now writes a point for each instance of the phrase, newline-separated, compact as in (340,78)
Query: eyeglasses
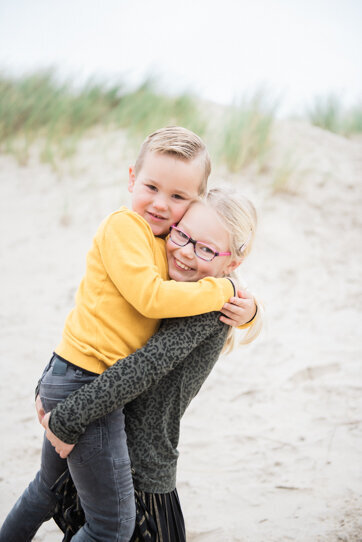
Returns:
(202,251)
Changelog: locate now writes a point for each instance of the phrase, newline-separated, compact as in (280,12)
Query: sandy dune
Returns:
(271,447)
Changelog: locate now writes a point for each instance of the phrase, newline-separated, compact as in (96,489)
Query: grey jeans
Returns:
(99,465)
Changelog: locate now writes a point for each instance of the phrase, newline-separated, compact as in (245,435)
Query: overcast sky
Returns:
(218,48)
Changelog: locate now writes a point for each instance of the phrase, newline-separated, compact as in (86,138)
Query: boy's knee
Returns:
(39,491)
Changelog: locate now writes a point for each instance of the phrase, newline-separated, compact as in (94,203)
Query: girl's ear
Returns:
(232,266)
(131,178)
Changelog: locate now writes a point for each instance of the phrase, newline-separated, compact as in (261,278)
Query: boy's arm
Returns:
(126,246)
(129,377)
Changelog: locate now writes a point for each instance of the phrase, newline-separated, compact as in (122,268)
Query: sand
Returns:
(271,447)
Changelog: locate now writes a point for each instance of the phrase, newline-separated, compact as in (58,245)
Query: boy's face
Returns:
(164,188)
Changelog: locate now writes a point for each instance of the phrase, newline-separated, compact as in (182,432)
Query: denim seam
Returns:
(119,500)
(128,519)
(118,503)
(126,496)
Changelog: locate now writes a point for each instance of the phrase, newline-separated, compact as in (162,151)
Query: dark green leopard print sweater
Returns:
(156,384)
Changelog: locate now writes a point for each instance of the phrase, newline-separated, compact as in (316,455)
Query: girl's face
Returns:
(201,223)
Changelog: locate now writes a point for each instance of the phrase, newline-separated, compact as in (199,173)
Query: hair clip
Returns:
(244,245)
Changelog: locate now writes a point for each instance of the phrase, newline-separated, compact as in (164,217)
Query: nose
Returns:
(187,251)
(160,202)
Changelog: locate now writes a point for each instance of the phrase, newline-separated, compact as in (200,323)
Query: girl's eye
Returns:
(177,196)
(181,235)
(206,250)
(151,187)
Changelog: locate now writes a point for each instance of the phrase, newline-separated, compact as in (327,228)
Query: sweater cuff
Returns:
(248,324)
(233,285)
(59,431)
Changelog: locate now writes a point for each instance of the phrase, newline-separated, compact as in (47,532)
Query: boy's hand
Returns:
(62,448)
(239,310)
(39,409)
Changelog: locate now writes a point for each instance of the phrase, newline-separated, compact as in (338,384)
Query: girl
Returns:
(157,382)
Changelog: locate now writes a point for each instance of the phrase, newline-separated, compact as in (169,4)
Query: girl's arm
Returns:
(129,377)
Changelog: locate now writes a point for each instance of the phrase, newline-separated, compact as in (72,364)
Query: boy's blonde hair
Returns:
(239,217)
(180,143)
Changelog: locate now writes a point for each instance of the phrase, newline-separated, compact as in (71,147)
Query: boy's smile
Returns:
(164,188)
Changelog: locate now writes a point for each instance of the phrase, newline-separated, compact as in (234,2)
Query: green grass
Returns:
(40,107)
(146,109)
(246,132)
(328,113)
(37,106)
(285,174)
(354,119)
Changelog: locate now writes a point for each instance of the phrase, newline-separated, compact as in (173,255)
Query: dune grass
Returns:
(38,107)
(245,136)
(328,113)
(35,106)
(145,109)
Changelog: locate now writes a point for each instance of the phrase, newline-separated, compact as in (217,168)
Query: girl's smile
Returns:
(182,265)
(200,222)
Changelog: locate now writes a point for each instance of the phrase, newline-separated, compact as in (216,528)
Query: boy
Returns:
(122,297)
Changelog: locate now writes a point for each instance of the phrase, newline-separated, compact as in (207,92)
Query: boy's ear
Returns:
(131,178)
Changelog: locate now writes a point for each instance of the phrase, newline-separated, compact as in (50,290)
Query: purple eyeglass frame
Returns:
(193,242)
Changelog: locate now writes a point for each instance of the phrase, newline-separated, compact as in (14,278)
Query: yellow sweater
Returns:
(125,292)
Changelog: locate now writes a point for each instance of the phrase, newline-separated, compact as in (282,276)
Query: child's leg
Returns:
(99,464)
(100,468)
(37,503)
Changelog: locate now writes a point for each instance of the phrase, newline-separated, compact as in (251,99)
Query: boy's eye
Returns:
(151,187)
(177,196)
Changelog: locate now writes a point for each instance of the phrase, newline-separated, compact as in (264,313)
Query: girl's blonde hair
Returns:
(239,217)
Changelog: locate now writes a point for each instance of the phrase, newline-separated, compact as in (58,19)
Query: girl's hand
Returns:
(62,448)
(240,310)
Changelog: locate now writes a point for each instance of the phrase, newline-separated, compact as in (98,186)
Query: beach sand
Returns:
(270,449)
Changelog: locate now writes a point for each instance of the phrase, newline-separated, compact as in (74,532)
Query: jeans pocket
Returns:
(51,395)
(54,388)
(89,444)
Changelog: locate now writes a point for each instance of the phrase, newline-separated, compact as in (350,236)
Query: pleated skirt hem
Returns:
(159,516)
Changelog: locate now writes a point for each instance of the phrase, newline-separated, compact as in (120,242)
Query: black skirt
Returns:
(159,516)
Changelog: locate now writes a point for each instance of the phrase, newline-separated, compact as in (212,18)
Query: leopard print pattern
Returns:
(156,383)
